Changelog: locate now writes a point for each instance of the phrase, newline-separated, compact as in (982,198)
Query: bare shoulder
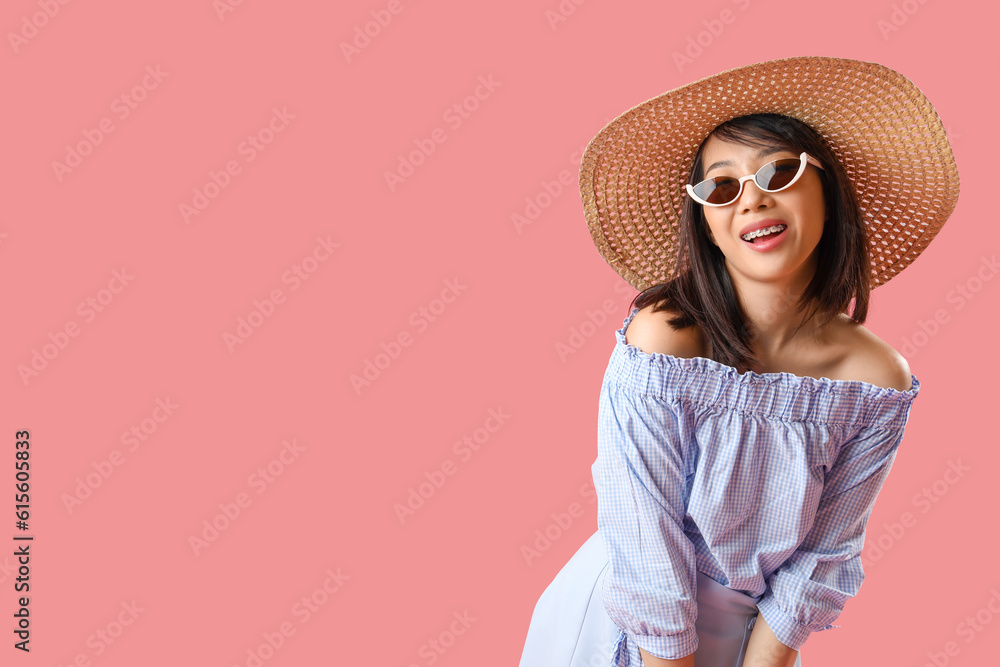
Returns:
(873,360)
(651,332)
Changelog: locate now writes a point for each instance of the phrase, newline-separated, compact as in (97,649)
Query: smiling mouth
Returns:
(764,233)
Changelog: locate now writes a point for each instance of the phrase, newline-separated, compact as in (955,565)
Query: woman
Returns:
(747,422)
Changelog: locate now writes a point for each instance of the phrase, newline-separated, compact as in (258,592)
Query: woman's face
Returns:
(801,208)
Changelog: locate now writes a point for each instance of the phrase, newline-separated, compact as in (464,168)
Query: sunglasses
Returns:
(772,177)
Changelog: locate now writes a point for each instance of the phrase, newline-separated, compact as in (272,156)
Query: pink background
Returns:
(502,298)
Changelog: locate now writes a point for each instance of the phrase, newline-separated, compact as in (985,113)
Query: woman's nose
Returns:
(752,197)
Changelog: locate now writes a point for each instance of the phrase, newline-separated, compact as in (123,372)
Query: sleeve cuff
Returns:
(669,647)
(788,631)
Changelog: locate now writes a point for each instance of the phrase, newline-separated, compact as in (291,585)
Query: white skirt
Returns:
(570,628)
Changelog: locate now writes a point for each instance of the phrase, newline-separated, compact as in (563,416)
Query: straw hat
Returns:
(880,126)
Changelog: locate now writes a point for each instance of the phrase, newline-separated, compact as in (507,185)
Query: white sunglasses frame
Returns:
(804,159)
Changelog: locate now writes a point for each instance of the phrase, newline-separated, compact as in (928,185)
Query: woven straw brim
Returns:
(879,124)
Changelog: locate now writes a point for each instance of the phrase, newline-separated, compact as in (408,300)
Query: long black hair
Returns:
(703,293)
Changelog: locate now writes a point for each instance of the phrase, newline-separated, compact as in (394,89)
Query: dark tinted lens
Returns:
(718,190)
(778,174)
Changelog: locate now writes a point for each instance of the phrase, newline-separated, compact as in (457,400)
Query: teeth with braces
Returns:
(761,232)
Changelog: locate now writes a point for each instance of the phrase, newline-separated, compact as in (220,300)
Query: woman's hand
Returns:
(764,649)
(650,661)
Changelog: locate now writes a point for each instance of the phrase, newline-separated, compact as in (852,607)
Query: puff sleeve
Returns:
(808,591)
(640,478)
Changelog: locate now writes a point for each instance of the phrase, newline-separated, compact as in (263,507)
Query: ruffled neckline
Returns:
(709,368)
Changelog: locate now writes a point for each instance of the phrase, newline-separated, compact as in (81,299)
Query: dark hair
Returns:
(701,289)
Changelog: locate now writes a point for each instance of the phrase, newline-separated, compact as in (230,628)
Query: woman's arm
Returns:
(764,649)
(650,591)
(650,661)
(808,591)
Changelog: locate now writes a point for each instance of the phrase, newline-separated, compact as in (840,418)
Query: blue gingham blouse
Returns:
(763,482)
